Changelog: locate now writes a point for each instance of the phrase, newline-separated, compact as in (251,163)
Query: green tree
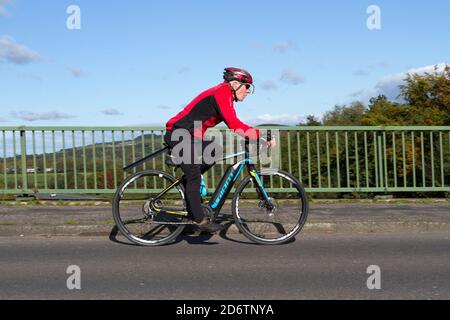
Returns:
(428,97)
(345,115)
(311,120)
(382,111)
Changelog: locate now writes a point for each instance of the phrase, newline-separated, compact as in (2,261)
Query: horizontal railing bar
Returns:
(321,190)
(283,128)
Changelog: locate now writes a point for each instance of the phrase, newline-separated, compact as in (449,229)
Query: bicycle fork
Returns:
(260,187)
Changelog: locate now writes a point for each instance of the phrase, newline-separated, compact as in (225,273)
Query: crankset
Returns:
(209,212)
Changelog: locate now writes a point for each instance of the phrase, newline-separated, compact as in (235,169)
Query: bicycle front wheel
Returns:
(134,208)
(276,221)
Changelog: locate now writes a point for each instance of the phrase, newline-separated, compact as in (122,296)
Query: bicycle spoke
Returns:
(275,221)
(139,195)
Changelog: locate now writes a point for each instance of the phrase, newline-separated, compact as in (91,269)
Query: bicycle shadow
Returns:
(191,237)
(113,238)
(224,234)
(194,237)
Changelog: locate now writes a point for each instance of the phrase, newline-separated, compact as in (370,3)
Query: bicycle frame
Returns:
(225,185)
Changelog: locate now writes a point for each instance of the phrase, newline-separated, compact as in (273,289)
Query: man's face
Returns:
(241,90)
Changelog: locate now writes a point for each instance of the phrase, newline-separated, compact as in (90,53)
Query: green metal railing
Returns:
(324,159)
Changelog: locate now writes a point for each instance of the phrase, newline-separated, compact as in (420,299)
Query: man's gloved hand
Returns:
(268,144)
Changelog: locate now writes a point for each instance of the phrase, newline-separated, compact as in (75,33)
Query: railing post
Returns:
(380,159)
(23,155)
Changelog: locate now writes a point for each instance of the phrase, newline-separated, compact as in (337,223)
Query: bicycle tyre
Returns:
(241,222)
(119,218)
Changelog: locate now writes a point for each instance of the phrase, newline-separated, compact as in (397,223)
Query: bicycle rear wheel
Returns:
(275,222)
(134,208)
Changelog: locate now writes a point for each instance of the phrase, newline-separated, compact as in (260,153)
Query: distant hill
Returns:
(272,125)
(122,151)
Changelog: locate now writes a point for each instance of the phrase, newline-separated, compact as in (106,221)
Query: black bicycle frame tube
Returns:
(147,158)
(168,188)
(225,185)
(169,210)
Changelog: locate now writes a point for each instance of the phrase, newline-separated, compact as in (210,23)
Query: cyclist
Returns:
(209,109)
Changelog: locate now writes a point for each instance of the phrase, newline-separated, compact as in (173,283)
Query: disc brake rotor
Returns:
(270,208)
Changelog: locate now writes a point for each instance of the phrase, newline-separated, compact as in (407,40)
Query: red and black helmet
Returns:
(237,74)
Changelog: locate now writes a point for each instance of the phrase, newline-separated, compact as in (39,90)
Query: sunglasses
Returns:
(248,87)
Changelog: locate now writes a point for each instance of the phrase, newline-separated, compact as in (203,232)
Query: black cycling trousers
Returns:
(193,166)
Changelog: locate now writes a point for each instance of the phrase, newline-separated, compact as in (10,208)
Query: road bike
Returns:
(268,206)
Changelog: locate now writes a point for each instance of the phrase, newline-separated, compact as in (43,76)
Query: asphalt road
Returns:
(315,266)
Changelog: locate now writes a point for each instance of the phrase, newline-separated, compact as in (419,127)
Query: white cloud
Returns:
(257,45)
(183,69)
(148,124)
(32,116)
(3,5)
(389,86)
(279,47)
(283,119)
(430,69)
(283,47)
(363,95)
(361,72)
(370,68)
(29,76)
(289,76)
(357,93)
(11,51)
(111,112)
(269,85)
(77,73)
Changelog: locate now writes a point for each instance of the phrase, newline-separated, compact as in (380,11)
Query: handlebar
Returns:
(247,143)
(269,135)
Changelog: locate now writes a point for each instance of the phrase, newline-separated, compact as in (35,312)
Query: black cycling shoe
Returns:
(207,226)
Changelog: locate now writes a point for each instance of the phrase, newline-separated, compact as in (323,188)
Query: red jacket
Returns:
(210,108)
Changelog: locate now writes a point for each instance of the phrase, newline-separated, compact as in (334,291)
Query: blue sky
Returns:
(139,62)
